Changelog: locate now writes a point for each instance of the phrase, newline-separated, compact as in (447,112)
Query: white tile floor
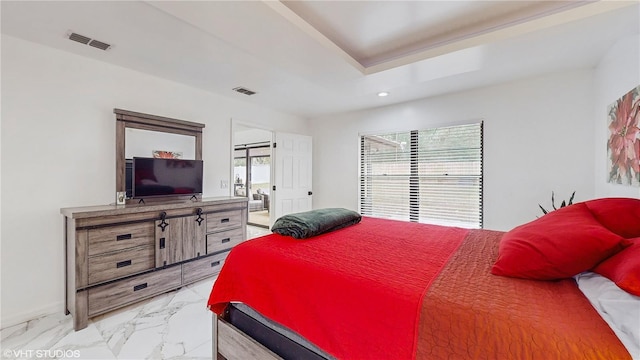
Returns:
(175,325)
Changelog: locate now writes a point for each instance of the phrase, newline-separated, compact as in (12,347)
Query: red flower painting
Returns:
(623,146)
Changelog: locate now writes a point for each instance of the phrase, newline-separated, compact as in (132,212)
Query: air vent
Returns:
(99,44)
(88,41)
(245,91)
(79,38)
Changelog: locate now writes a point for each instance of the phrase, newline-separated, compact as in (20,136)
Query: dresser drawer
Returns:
(202,268)
(113,238)
(224,240)
(111,296)
(224,220)
(121,263)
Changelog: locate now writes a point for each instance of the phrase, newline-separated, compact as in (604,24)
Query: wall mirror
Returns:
(140,135)
(144,143)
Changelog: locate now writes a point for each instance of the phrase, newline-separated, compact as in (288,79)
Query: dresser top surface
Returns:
(104,210)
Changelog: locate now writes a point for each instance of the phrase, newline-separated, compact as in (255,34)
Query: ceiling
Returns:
(311,58)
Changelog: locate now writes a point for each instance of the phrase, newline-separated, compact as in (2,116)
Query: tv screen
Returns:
(166,177)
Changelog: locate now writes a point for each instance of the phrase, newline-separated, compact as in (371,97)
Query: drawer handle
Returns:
(199,219)
(215,263)
(123,237)
(140,287)
(163,224)
(162,243)
(225,220)
(123,263)
(226,240)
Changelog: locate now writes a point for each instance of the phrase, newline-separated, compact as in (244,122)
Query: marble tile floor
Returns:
(174,325)
(256,231)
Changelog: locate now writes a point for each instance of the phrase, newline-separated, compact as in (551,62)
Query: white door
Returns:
(292,174)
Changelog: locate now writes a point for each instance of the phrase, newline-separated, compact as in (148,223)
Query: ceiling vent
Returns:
(88,41)
(99,44)
(245,91)
(79,38)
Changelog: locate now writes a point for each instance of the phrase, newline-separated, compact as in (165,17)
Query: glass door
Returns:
(240,173)
(254,181)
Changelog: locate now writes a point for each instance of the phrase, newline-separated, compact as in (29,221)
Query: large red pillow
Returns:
(558,245)
(623,268)
(620,215)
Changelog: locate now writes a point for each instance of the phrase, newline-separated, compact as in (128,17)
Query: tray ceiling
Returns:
(317,57)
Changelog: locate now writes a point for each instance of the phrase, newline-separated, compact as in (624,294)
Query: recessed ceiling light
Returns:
(383,93)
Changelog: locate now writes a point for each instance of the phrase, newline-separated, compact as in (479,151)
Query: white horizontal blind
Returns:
(385,164)
(429,176)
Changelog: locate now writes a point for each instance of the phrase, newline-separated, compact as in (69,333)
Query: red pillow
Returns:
(623,268)
(558,245)
(620,215)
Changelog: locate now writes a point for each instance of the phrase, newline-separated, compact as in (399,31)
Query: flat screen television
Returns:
(166,177)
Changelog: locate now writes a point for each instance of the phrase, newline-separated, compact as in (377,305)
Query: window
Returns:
(429,176)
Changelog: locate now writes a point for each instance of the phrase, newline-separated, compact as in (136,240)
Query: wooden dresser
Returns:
(119,254)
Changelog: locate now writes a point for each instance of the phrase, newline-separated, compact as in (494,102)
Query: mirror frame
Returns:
(135,120)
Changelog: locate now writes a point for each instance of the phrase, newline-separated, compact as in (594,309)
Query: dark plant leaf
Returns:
(543,210)
(563,204)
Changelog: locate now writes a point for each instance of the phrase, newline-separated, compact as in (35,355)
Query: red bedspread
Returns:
(392,290)
(468,313)
(365,283)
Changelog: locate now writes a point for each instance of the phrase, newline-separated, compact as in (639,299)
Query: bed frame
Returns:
(242,333)
(230,343)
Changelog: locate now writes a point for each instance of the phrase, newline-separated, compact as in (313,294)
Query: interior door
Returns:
(292,174)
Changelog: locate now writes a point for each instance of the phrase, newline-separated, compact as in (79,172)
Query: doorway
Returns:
(252,172)
(260,167)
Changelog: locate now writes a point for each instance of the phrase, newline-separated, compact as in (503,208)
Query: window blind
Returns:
(429,176)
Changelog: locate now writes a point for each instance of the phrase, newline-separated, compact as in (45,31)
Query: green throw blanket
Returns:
(315,222)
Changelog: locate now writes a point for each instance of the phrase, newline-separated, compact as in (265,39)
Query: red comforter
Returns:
(364,282)
(395,290)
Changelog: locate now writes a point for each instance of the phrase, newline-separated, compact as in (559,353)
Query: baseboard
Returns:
(15,319)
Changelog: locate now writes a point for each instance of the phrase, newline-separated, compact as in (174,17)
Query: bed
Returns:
(377,288)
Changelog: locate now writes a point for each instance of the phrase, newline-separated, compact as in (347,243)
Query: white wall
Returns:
(537,139)
(58,150)
(251,136)
(616,74)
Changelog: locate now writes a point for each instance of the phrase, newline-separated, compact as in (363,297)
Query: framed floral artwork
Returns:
(623,146)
